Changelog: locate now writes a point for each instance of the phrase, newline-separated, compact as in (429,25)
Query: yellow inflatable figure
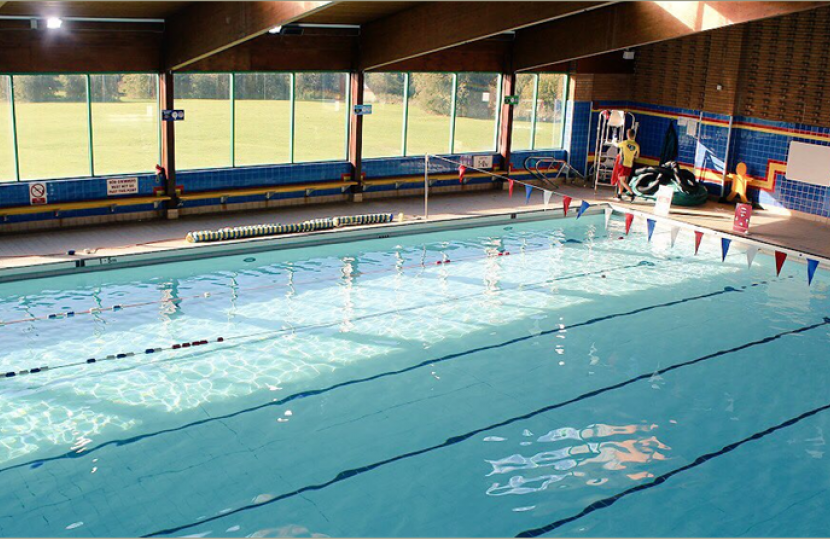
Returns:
(739,184)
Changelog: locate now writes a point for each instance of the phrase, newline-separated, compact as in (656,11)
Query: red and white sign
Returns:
(37,193)
(122,186)
(743,212)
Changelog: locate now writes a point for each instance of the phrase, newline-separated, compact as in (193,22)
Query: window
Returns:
(52,122)
(7,166)
(321,116)
(550,110)
(476,109)
(430,113)
(383,130)
(203,140)
(125,123)
(523,112)
(262,118)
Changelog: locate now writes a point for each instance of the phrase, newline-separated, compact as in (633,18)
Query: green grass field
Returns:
(53,138)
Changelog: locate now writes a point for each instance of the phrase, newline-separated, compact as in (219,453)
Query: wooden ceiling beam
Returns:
(206,28)
(633,24)
(434,26)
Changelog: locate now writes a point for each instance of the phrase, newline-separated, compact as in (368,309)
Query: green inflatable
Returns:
(687,190)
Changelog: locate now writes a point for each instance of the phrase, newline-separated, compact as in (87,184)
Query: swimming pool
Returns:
(535,379)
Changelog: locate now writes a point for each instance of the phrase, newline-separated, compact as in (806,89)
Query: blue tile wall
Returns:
(273,175)
(72,189)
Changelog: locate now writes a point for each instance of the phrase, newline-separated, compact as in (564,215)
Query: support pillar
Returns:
(356,133)
(506,120)
(168,144)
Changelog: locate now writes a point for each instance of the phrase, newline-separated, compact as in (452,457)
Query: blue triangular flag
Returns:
(724,247)
(582,207)
(528,191)
(650,223)
(811,270)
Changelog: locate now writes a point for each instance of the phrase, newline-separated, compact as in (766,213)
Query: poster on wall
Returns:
(809,163)
(122,186)
(37,193)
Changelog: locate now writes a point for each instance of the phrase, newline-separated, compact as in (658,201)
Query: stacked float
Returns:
(252,231)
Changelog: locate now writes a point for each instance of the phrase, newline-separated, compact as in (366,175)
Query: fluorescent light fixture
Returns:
(53,23)
(275,30)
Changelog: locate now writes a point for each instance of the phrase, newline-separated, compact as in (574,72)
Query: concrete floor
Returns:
(24,249)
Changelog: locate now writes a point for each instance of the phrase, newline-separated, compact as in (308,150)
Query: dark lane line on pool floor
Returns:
(608,501)
(311,393)
(344,475)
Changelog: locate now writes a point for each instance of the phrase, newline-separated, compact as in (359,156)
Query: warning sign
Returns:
(662,205)
(743,213)
(122,186)
(37,193)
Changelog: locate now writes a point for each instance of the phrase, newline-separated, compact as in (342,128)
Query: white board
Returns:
(809,163)
(122,186)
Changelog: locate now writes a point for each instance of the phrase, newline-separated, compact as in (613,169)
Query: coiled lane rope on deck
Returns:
(252,231)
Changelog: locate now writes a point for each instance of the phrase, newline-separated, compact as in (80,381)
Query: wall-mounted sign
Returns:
(511,100)
(37,193)
(361,110)
(172,115)
(483,162)
(122,186)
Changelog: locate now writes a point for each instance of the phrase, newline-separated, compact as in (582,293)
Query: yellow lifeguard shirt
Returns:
(630,150)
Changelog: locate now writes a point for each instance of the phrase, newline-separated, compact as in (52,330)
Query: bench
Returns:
(267,191)
(57,208)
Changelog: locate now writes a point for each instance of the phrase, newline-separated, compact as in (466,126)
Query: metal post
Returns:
(232,95)
(533,111)
(293,114)
(405,112)
(453,105)
(426,187)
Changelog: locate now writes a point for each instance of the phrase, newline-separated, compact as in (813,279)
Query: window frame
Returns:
(534,113)
(90,123)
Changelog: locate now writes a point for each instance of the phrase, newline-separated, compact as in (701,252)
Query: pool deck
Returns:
(122,238)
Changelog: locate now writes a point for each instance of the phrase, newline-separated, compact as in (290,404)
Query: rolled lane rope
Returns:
(252,231)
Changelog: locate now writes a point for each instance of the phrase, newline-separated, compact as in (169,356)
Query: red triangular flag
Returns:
(510,187)
(461,170)
(698,238)
(779,261)
(566,203)
(629,219)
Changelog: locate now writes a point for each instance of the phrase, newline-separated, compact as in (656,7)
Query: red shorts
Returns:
(620,170)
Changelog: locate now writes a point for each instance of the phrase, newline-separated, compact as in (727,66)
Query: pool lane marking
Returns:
(494,253)
(311,393)
(608,501)
(268,334)
(343,475)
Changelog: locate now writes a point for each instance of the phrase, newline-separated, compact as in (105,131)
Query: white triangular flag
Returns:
(674,231)
(751,251)
(547,194)
(608,212)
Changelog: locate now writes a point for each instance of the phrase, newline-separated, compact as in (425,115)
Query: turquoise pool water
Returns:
(578,384)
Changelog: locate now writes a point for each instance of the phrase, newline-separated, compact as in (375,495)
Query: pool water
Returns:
(553,378)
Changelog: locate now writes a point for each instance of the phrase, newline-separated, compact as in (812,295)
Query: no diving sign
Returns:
(37,193)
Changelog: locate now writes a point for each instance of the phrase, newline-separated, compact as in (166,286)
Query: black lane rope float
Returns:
(320,391)
(273,333)
(179,299)
(344,475)
(656,481)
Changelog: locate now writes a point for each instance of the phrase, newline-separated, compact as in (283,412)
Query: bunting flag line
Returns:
(674,231)
(629,219)
(650,223)
(780,257)
(462,170)
(528,191)
(582,207)
(566,203)
(510,187)
(724,247)
(751,251)
(608,212)
(698,238)
(812,264)
(546,194)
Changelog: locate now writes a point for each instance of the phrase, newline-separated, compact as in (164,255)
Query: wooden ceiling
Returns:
(356,12)
(339,13)
(106,10)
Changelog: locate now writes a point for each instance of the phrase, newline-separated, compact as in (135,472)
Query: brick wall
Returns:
(774,69)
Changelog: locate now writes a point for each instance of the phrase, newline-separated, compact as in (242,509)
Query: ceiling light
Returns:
(53,23)
(275,30)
